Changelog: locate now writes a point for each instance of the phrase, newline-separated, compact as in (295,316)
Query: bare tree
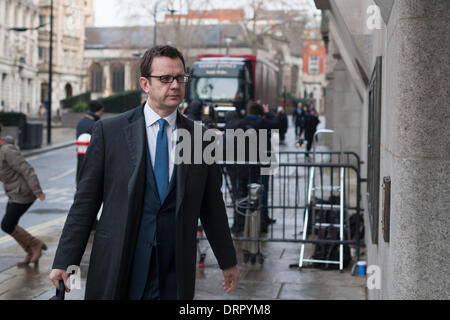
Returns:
(185,26)
(178,28)
(285,22)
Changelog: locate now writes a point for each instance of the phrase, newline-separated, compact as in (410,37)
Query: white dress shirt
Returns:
(152,128)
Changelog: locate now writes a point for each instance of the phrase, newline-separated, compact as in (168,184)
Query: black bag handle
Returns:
(60,293)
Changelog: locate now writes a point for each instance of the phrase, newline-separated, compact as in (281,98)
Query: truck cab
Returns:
(224,83)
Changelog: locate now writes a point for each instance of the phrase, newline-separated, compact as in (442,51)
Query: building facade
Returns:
(18,56)
(112,54)
(274,34)
(314,62)
(388,97)
(70,17)
(214,16)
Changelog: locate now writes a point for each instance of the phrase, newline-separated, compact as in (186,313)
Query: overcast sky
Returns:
(107,13)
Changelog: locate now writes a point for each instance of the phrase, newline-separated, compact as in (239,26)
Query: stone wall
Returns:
(415,152)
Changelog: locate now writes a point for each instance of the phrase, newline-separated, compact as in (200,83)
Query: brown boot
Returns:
(36,249)
(30,244)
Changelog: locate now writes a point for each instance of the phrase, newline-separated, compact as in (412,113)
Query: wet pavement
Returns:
(272,280)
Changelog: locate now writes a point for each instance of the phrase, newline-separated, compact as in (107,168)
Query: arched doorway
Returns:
(44,98)
(68,89)
(44,93)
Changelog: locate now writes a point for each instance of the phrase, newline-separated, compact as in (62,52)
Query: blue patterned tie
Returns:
(161,167)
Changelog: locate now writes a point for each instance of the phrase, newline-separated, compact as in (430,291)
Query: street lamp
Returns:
(155,28)
(155,11)
(50,70)
(50,74)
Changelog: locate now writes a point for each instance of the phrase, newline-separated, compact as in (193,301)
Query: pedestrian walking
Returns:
(84,131)
(22,187)
(145,244)
(312,120)
(283,124)
(299,117)
(258,117)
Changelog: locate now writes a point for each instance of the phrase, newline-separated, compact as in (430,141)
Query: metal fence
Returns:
(288,199)
(288,196)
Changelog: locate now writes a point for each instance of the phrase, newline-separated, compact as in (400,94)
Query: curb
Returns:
(48,149)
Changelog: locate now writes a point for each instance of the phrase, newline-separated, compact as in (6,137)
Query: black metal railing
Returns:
(288,195)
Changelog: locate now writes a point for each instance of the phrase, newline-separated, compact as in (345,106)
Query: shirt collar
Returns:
(151,117)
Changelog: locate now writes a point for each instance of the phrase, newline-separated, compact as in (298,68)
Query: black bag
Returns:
(330,251)
(60,293)
(354,226)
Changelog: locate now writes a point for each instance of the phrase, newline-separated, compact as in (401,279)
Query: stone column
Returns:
(329,107)
(415,151)
(5,91)
(3,28)
(107,90)
(344,110)
(127,76)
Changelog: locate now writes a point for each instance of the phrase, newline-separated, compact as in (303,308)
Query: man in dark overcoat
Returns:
(145,243)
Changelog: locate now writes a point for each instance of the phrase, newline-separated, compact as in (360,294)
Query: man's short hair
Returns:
(255,108)
(158,51)
(95,106)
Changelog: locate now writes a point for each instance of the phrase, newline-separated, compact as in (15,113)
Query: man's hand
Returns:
(41,196)
(230,279)
(59,274)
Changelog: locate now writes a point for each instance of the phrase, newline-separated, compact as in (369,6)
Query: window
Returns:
(118,77)
(41,54)
(96,78)
(313,65)
(44,20)
(373,150)
(74,57)
(213,88)
(6,46)
(66,57)
(44,93)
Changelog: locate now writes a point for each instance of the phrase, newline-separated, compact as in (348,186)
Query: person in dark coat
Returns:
(85,125)
(311,122)
(258,117)
(283,124)
(299,116)
(145,243)
(232,121)
(195,110)
(95,112)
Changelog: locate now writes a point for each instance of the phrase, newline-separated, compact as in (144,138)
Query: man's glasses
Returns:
(169,79)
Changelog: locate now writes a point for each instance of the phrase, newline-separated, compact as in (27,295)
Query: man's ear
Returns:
(144,83)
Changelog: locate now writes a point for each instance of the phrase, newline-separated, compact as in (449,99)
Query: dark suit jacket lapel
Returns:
(135,135)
